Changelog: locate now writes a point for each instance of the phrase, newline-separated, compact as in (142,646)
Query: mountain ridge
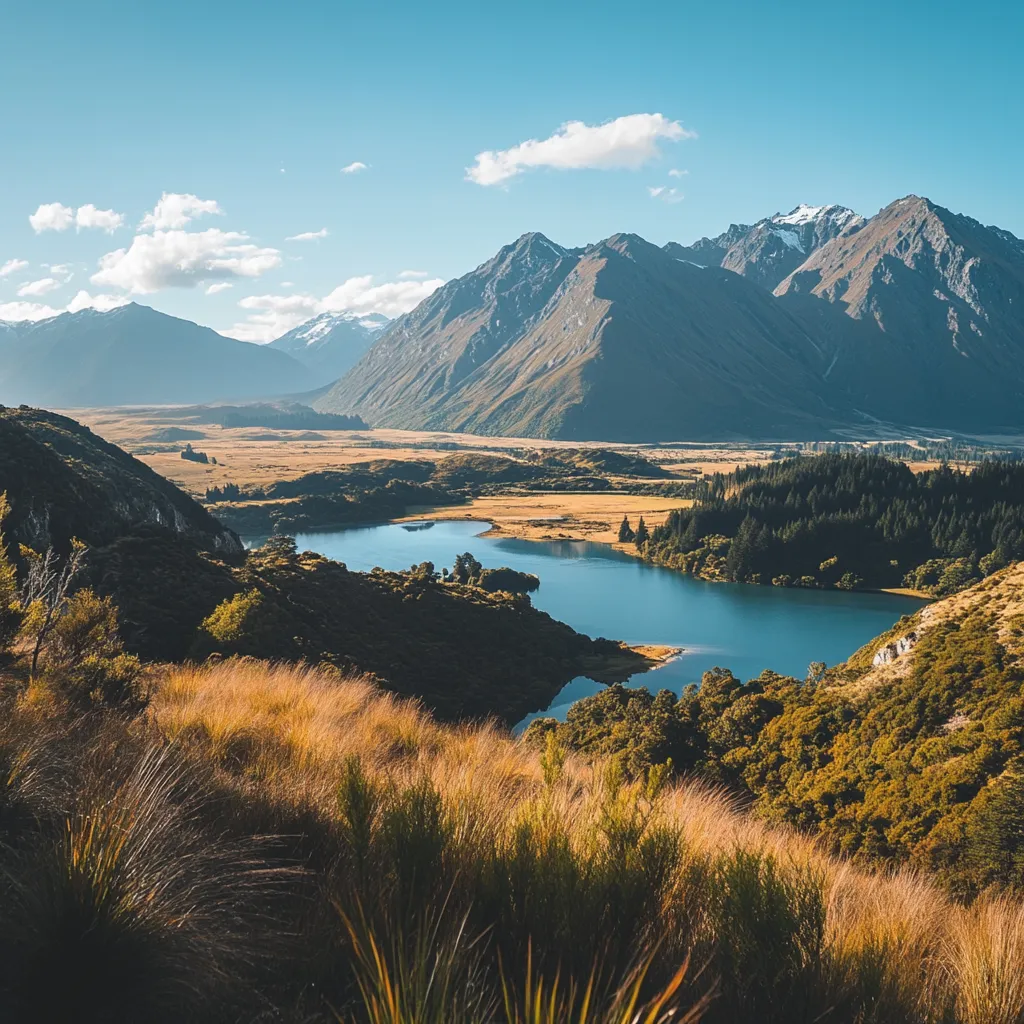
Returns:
(134,354)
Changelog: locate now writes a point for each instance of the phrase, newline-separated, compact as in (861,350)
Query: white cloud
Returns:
(183,259)
(355,167)
(176,209)
(106,220)
(103,303)
(626,142)
(270,316)
(677,173)
(308,236)
(220,286)
(14,311)
(12,267)
(665,194)
(36,288)
(361,295)
(51,217)
(413,275)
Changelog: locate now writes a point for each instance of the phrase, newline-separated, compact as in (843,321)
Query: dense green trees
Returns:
(849,521)
(924,767)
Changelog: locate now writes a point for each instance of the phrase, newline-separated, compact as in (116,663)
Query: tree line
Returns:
(849,521)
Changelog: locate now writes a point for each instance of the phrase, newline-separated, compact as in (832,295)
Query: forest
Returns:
(852,521)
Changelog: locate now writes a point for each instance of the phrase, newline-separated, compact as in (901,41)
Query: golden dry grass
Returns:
(295,727)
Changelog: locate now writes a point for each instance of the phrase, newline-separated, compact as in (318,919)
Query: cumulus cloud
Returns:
(355,167)
(308,236)
(183,259)
(12,267)
(677,173)
(665,194)
(413,275)
(626,142)
(36,288)
(51,217)
(57,217)
(220,286)
(15,311)
(176,209)
(103,303)
(270,316)
(106,220)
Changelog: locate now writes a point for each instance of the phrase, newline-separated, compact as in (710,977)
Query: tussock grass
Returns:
(423,873)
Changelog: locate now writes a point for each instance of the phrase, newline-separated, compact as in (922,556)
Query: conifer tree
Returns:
(641,533)
(626,534)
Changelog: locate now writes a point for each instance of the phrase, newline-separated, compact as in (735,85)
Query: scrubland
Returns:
(275,842)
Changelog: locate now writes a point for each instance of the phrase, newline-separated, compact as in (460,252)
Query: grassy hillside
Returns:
(429,874)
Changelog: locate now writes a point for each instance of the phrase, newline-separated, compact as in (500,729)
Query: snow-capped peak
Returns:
(324,323)
(803,214)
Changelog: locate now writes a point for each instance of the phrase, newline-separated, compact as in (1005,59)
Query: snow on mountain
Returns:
(332,343)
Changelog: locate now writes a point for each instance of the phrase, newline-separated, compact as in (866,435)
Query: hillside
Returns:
(330,344)
(619,340)
(909,753)
(134,355)
(64,481)
(184,587)
(453,871)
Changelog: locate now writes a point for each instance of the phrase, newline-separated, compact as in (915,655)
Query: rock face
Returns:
(945,296)
(771,249)
(330,344)
(619,340)
(890,652)
(134,355)
(63,482)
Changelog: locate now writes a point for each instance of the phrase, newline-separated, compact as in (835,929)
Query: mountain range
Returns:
(801,324)
(135,355)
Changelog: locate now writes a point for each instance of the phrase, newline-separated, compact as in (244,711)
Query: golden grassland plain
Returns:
(256,456)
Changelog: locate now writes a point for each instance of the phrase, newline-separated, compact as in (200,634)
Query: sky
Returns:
(249,165)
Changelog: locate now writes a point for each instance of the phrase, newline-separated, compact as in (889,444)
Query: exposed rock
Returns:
(891,651)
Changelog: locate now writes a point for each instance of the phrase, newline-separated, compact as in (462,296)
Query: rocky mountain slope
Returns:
(617,340)
(330,344)
(136,355)
(945,296)
(769,250)
(802,323)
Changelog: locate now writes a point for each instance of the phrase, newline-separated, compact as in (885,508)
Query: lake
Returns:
(603,592)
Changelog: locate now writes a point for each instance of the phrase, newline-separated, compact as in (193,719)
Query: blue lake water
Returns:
(602,592)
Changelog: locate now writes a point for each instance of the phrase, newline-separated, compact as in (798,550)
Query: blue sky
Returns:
(254,108)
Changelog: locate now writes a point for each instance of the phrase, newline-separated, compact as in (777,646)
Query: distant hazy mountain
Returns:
(769,250)
(330,344)
(944,296)
(620,340)
(135,355)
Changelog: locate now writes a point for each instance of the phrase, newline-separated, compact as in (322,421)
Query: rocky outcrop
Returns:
(887,654)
